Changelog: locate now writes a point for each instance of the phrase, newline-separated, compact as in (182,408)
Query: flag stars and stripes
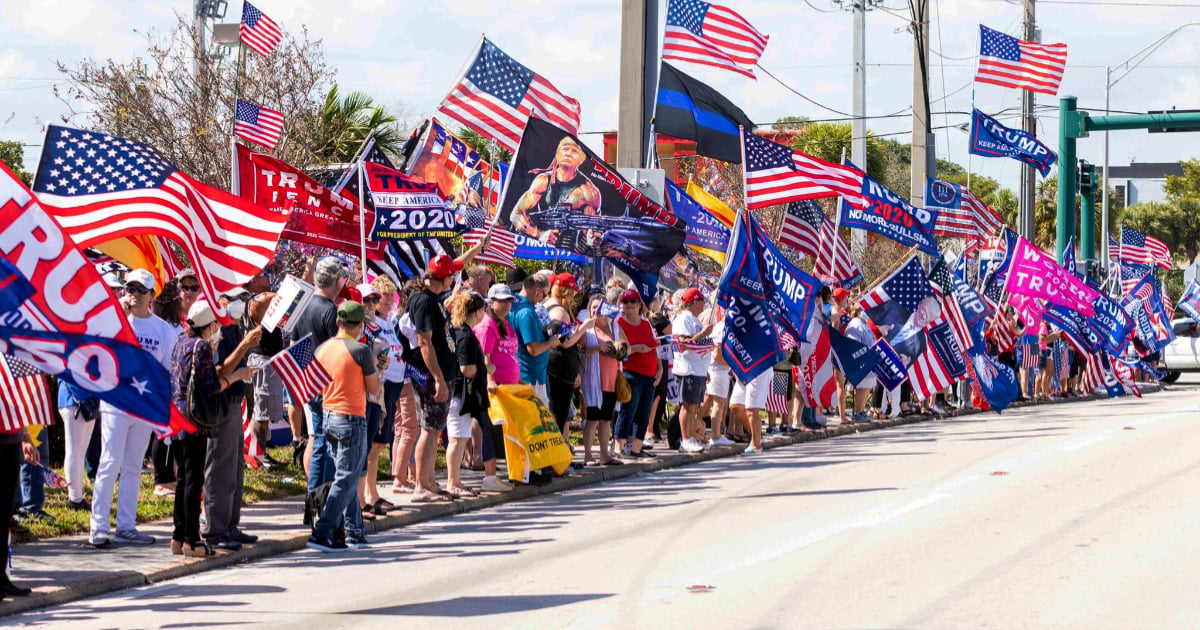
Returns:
(257,124)
(259,32)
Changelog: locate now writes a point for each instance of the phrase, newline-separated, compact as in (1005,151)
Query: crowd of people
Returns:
(411,369)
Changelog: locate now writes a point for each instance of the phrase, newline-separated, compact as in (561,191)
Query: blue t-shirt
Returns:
(524,319)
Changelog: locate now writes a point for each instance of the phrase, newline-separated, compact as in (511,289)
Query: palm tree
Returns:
(345,123)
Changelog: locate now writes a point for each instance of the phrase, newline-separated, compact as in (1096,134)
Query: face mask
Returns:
(236,309)
(215,338)
(827,309)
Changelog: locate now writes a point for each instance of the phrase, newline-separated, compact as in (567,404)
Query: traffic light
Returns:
(1085,178)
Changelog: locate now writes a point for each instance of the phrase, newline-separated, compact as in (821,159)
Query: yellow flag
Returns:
(718,208)
(140,252)
(531,437)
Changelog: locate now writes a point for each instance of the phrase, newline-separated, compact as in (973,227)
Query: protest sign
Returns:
(1036,274)
(989,138)
(890,215)
(290,300)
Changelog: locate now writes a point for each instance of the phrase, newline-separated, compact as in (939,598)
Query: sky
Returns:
(407,55)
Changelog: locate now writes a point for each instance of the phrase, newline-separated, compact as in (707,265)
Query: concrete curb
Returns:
(120,580)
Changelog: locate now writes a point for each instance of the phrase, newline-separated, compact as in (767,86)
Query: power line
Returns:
(801,95)
(816,8)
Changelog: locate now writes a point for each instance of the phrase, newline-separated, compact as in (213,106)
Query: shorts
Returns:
(606,411)
(433,414)
(868,382)
(458,424)
(268,391)
(1078,365)
(718,382)
(691,389)
(752,395)
(1043,359)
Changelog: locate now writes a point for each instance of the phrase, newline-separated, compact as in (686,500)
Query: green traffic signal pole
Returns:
(1087,219)
(1073,124)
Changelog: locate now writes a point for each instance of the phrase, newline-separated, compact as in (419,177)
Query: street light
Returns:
(1129,65)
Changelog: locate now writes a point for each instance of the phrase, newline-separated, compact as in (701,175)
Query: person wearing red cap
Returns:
(436,360)
(565,370)
(691,368)
(642,371)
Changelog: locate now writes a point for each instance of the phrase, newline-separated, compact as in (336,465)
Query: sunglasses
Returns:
(190,288)
(371,300)
(630,302)
(136,289)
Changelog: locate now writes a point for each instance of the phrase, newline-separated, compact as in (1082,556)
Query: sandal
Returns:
(406,488)
(384,504)
(430,498)
(591,463)
(198,550)
(467,492)
(612,462)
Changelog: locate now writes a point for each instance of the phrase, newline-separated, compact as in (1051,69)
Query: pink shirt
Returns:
(501,351)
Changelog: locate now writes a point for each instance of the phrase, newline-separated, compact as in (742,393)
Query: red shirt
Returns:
(644,363)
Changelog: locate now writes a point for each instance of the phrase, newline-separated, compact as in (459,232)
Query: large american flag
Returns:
(501,247)
(906,286)
(258,31)
(711,35)
(26,398)
(299,370)
(258,124)
(941,280)
(498,95)
(776,174)
(1137,247)
(806,229)
(100,187)
(1007,61)
(972,220)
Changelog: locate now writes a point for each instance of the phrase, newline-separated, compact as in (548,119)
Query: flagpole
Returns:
(234,186)
(359,154)
(362,216)
(837,229)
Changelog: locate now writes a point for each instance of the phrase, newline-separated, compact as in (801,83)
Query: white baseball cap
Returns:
(142,277)
(200,314)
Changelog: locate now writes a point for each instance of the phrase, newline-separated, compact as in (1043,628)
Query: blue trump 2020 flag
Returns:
(989,138)
(855,359)
(691,110)
(890,215)
(751,344)
(705,233)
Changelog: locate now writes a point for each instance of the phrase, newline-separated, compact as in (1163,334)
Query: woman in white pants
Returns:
(77,427)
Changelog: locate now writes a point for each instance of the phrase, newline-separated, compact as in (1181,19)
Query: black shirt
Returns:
(472,391)
(429,315)
(231,336)
(271,343)
(318,318)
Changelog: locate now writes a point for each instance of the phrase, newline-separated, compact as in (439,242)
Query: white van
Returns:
(1183,354)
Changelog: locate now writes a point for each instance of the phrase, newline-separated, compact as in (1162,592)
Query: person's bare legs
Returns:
(371,479)
(408,431)
(754,424)
(454,457)
(427,446)
(589,433)
(604,431)
(737,416)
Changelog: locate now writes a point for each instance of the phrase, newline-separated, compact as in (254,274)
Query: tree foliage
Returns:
(1175,222)
(484,146)
(12,154)
(345,122)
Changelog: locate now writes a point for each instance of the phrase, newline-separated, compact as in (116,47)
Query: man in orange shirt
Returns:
(353,374)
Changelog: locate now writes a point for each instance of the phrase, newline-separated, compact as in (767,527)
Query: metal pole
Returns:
(1029,124)
(920,130)
(1104,193)
(858,133)
(1066,176)
(631,114)
(362,216)
(1087,219)
(234,186)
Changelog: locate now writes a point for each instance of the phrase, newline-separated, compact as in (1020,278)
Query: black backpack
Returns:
(314,503)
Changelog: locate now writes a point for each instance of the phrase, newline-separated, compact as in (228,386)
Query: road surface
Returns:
(1064,516)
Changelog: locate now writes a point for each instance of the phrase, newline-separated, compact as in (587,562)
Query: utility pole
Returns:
(922,140)
(1029,124)
(858,133)
(638,81)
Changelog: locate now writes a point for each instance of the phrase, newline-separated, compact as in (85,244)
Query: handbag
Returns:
(205,412)
(623,392)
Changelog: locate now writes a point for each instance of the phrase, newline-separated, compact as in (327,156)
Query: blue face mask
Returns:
(827,309)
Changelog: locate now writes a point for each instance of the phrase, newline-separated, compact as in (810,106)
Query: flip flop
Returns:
(612,462)
(430,498)
(591,463)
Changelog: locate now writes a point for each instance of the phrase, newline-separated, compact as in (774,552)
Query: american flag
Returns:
(1138,247)
(941,280)
(907,286)
(816,372)
(941,365)
(987,221)
(258,124)
(495,186)
(806,229)
(252,450)
(776,174)
(102,187)
(498,95)
(1131,275)
(1007,61)
(26,398)
(258,31)
(501,247)
(711,35)
(1104,372)
(777,398)
(301,373)
(1002,334)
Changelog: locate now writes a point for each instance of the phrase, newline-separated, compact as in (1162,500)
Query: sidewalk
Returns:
(66,569)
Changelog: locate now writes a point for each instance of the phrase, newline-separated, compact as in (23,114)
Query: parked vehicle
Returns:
(1183,354)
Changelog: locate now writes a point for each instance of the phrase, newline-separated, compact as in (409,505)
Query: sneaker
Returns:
(495,484)
(244,538)
(357,542)
(649,443)
(752,451)
(83,505)
(99,539)
(326,545)
(37,514)
(132,537)
(936,410)
(722,441)
(224,542)
(689,445)
(861,418)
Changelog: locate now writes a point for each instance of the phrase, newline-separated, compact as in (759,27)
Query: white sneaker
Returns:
(649,441)
(132,537)
(495,484)
(99,539)
(937,410)
(722,441)
(691,445)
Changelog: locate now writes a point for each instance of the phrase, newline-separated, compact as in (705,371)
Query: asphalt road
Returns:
(1064,516)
